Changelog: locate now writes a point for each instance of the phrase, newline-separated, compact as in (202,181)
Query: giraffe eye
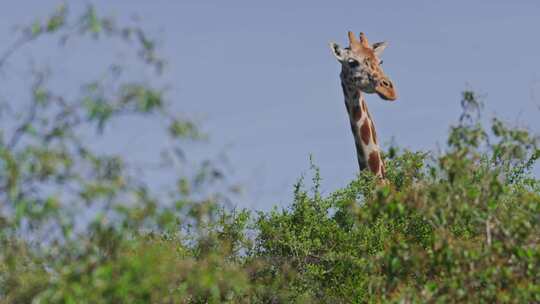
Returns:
(353,63)
(381,62)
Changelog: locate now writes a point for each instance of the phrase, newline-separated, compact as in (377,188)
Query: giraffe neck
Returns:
(363,129)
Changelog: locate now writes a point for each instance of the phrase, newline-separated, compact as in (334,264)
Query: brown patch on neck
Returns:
(373,131)
(365,132)
(374,162)
(359,151)
(356,112)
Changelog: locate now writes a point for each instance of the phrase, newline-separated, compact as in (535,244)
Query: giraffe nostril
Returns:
(386,83)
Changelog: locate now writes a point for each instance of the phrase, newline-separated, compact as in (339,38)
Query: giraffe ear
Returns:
(337,51)
(378,47)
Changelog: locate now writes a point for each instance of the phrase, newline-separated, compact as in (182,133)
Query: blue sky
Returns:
(260,78)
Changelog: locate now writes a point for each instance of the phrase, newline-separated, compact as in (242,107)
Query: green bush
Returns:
(462,226)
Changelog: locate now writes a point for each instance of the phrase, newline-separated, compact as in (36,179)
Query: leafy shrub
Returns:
(461,226)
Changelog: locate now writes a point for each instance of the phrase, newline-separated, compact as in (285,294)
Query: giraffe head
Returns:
(361,66)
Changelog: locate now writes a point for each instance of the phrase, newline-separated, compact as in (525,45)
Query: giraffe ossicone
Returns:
(361,72)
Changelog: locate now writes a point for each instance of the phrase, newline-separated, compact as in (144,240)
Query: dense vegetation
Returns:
(78,226)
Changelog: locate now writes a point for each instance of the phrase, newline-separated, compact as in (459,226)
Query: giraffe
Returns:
(361,72)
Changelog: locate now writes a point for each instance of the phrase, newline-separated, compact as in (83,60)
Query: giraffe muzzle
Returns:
(385,89)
